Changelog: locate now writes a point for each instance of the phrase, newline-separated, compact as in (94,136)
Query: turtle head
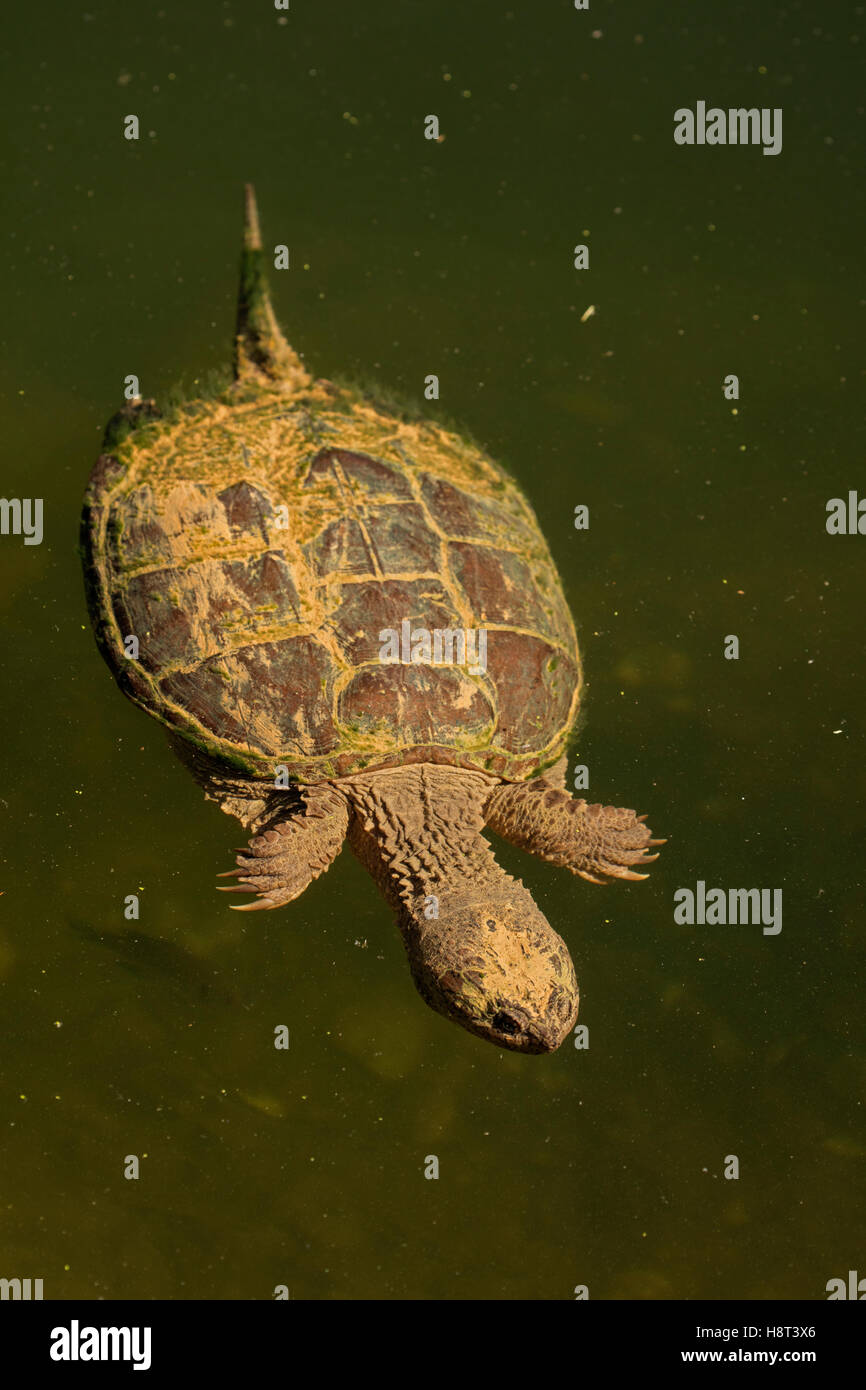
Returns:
(494,964)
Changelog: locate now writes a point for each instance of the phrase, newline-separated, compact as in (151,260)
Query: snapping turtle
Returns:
(352,627)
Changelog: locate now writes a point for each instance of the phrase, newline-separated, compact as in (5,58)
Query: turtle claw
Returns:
(590,878)
(620,852)
(622,870)
(626,873)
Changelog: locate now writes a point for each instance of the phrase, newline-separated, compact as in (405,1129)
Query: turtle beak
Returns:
(498,969)
(512,1028)
(509,1026)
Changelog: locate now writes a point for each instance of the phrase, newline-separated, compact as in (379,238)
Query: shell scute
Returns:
(463,517)
(152,528)
(182,616)
(390,539)
(498,585)
(413,706)
(539,693)
(248,511)
(377,606)
(255,699)
(358,476)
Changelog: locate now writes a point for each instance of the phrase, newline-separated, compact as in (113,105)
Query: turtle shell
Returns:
(260,552)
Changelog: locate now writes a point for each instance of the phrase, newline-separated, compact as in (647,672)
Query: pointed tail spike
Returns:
(262,356)
(252,230)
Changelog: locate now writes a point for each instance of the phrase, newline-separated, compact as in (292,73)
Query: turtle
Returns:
(348,620)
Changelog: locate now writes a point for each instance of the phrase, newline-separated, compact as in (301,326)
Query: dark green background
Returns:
(600,1167)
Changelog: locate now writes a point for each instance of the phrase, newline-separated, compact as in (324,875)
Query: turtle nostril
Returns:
(504,1023)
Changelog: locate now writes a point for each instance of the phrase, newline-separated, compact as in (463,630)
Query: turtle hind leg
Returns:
(597,842)
(282,860)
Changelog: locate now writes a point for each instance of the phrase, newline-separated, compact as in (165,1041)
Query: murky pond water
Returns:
(602,1166)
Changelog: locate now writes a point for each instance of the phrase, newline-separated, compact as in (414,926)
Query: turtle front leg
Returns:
(596,842)
(283,860)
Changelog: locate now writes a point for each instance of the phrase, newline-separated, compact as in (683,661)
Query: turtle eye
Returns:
(504,1023)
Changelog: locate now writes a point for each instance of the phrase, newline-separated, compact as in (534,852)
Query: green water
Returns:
(605,1166)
